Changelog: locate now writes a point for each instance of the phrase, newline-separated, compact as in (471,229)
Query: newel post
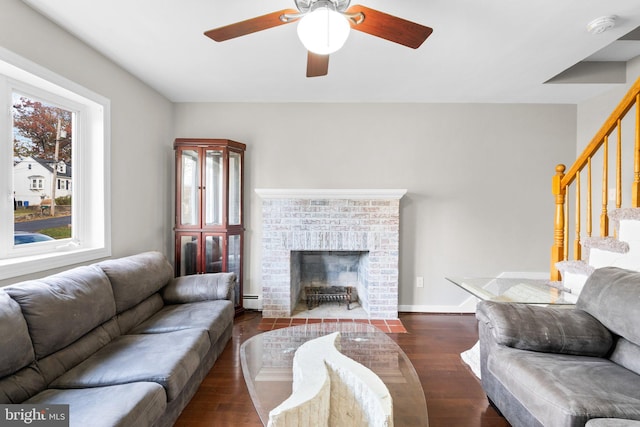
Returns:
(557,251)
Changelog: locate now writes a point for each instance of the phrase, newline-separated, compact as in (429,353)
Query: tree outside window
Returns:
(42,141)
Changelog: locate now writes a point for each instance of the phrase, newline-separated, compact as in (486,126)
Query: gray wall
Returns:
(141,128)
(478,177)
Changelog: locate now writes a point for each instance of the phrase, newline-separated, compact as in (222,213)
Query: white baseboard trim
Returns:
(468,306)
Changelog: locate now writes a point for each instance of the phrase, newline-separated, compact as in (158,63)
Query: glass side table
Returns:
(520,290)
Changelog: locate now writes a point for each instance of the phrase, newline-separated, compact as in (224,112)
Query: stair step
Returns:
(610,244)
(575,267)
(574,275)
(626,221)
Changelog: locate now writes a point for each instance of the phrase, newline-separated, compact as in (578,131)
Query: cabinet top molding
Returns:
(316,193)
(208,143)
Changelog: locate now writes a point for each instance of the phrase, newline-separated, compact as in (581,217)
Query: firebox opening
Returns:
(327,269)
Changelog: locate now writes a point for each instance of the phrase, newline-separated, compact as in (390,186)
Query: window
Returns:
(72,174)
(37,183)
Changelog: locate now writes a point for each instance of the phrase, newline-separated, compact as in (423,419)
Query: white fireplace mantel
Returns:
(314,193)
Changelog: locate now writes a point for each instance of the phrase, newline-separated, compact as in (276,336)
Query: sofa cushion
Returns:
(135,404)
(612,295)
(136,277)
(612,422)
(566,390)
(199,287)
(168,359)
(17,350)
(20,386)
(212,316)
(56,364)
(61,308)
(545,329)
(627,354)
(139,313)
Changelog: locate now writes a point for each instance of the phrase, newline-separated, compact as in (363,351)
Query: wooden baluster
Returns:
(557,250)
(635,196)
(604,217)
(589,202)
(619,167)
(577,249)
(618,170)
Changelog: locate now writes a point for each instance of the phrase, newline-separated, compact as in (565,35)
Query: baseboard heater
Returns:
(253,302)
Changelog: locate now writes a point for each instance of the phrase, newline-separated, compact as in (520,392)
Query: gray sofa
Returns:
(552,366)
(123,342)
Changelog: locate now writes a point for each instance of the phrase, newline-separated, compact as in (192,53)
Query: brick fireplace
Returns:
(301,221)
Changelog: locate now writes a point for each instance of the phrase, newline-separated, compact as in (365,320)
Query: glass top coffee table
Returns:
(267,361)
(520,290)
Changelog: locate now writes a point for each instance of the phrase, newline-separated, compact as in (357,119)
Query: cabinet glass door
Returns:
(213,253)
(188,250)
(235,188)
(189,188)
(214,180)
(234,263)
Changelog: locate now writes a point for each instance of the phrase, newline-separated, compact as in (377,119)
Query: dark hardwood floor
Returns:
(433,343)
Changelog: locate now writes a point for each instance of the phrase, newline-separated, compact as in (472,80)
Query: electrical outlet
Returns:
(420,282)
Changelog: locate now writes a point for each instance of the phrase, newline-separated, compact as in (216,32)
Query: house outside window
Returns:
(40,179)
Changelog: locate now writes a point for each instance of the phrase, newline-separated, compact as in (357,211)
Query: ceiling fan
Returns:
(324,27)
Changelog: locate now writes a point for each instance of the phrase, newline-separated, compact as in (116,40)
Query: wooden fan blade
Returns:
(390,27)
(317,65)
(249,26)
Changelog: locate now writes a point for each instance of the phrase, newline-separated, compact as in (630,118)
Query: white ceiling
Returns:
(480,51)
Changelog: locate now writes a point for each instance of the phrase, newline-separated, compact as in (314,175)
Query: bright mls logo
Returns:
(34,415)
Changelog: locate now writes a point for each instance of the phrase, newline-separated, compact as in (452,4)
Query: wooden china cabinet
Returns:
(209,225)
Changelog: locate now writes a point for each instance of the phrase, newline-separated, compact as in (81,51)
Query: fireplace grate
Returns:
(319,294)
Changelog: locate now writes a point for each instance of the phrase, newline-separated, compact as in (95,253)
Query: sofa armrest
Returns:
(199,287)
(545,329)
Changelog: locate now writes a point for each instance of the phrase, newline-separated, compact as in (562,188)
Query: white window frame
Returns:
(36,182)
(91,219)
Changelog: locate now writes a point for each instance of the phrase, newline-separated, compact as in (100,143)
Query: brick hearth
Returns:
(331,220)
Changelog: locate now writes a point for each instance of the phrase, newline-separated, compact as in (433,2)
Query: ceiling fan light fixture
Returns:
(323,31)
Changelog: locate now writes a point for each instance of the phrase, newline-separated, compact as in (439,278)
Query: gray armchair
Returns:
(551,366)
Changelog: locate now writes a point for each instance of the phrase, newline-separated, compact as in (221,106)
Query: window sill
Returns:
(16,267)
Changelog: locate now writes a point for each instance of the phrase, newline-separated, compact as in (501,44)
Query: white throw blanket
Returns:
(472,358)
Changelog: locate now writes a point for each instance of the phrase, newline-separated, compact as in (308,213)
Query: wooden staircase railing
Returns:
(562,182)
